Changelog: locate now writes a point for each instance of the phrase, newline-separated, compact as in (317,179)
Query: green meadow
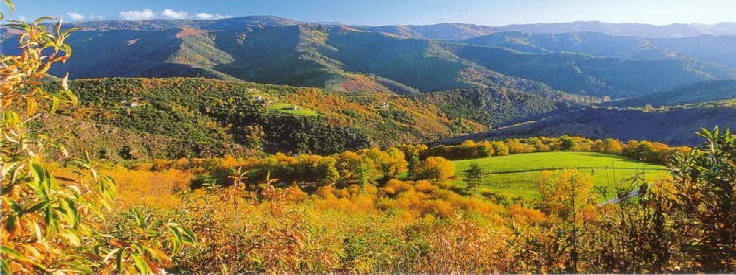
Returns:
(517,175)
(292,109)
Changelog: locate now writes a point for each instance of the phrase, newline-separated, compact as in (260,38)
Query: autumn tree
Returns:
(568,198)
(437,168)
(706,180)
(611,146)
(473,177)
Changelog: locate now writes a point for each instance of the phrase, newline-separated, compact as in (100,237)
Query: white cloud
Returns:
(209,16)
(96,17)
(137,14)
(174,14)
(75,16)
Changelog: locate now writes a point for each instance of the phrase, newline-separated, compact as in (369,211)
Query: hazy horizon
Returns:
(382,13)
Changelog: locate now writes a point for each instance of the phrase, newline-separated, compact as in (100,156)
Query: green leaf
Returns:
(10,223)
(139,248)
(71,214)
(141,264)
(119,260)
(10,4)
(10,118)
(42,180)
(54,104)
(41,19)
(9,253)
(36,207)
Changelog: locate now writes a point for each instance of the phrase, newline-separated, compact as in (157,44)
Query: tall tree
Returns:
(473,177)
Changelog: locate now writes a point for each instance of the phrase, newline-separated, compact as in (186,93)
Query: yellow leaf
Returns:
(31,105)
(72,238)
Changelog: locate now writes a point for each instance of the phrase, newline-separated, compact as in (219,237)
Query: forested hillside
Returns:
(281,51)
(215,115)
(706,91)
(709,48)
(671,125)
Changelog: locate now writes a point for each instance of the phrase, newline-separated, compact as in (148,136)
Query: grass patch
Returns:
(518,174)
(292,109)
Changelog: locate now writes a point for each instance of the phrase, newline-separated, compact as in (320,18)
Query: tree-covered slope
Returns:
(272,118)
(591,43)
(714,90)
(597,76)
(491,106)
(280,51)
(674,125)
(709,48)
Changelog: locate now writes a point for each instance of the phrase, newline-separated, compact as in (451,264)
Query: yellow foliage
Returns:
(294,194)
(229,162)
(437,168)
(155,189)
(522,215)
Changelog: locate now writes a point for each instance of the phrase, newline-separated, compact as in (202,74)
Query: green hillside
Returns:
(517,175)
(408,61)
(672,125)
(442,31)
(711,48)
(705,91)
(591,43)
(273,118)
(491,106)
(601,76)
(708,48)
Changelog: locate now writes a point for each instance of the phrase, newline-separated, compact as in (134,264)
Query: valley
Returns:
(263,144)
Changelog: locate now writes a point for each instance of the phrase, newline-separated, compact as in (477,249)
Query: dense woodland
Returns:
(223,176)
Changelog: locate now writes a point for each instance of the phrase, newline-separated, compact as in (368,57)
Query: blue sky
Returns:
(393,12)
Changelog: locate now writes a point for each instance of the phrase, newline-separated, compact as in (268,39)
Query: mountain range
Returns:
(497,76)
(281,51)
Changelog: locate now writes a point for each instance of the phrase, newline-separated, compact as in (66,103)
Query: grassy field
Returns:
(292,109)
(517,175)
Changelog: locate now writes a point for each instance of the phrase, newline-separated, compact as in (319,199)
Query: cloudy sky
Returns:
(392,12)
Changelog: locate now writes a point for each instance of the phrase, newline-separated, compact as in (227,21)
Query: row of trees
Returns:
(648,151)
(367,166)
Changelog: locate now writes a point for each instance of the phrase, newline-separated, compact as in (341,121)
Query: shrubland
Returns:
(368,211)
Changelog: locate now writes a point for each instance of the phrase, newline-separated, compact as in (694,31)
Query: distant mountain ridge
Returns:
(164,24)
(715,49)
(440,31)
(628,29)
(269,49)
(459,31)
